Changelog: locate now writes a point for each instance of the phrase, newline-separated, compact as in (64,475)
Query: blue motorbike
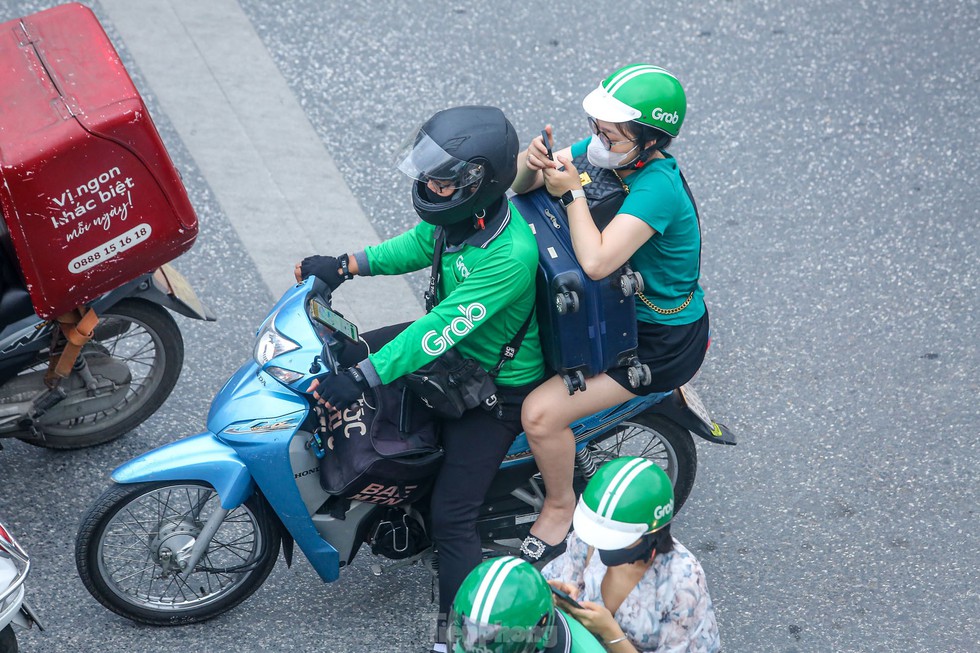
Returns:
(189,530)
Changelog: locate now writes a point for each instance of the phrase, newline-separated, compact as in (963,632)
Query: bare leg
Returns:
(546,415)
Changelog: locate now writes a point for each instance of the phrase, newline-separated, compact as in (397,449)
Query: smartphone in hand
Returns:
(564,596)
(547,144)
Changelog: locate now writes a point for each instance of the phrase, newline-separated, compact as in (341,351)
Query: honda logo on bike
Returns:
(434,343)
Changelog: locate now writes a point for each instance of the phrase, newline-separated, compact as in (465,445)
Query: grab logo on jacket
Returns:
(461,268)
(434,343)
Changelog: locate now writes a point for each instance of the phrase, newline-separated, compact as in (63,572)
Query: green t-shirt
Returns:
(670,260)
(486,291)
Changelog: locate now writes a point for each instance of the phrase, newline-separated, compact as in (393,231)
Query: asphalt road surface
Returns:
(832,147)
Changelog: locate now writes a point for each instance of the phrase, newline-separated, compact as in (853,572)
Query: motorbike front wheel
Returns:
(133,541)
(145,338)
(658,439)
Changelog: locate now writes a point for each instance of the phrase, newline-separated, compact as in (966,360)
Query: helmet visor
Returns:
(422,159)
(471,635)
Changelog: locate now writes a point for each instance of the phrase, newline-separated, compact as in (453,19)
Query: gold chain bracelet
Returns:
(665,311)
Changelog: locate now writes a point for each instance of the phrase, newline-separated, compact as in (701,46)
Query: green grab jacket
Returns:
(486,290)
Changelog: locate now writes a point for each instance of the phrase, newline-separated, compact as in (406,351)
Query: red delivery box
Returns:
(89,194)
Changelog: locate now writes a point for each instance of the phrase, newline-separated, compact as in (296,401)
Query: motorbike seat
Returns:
(15,301)
(15,304)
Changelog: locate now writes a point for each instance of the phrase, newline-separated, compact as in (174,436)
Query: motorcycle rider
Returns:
(641,573)
(462,161)
(506,606)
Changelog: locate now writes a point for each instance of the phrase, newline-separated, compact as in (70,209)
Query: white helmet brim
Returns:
(602,106)
(602,532)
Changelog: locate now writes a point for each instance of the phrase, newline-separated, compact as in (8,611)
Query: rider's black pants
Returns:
(475,446)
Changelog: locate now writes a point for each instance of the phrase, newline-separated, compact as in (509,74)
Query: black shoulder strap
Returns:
(509,351)
(690,196)
(431,294)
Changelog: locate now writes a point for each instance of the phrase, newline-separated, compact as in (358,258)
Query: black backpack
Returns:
(384,449)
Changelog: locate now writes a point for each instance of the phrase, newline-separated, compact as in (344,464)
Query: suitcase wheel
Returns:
(647,378)
(639,374)
(573,382)
(631,283)
(566,302)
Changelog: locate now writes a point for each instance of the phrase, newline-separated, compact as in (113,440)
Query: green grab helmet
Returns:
(640,92)
(625,499)
(503,606)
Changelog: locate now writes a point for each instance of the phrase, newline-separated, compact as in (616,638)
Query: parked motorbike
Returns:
(15,613)
(191,529)
(116,378)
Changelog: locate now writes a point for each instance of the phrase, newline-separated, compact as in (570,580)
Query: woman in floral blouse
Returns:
(639,589)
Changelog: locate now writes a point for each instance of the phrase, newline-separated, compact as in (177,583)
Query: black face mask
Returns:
(435,197)
(641,551)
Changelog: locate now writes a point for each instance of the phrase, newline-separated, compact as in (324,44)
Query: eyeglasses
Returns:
(602,136)
(440,185)
(445,179)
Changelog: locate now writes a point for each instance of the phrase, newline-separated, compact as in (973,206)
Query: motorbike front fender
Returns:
(199,457)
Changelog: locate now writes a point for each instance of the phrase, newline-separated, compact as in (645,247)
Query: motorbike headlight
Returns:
(270,343)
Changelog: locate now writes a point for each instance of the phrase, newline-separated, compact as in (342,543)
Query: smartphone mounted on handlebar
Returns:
(333,320)
(342,330)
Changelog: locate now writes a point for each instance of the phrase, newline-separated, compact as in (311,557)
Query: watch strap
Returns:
(571,196)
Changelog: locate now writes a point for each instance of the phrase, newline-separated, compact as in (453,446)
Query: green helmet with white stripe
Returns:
(625,499)
(503,606)
(640,92)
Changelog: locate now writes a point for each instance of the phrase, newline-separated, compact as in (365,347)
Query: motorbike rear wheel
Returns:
(132,541)
(147,340)
(656,438)
(647,435)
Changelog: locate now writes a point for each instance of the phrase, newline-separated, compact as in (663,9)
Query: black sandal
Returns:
(538,553)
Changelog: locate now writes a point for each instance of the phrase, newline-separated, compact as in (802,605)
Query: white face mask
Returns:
(601,157)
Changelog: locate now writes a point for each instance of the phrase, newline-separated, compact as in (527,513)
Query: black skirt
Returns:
(674,353)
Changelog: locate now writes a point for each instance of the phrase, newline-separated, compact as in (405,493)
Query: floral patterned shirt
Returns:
(669,610)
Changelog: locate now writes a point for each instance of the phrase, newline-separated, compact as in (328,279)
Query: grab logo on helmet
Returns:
(669,118)
(434,343)
(664,510)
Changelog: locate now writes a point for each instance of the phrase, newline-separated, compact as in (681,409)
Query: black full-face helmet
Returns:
(471,150)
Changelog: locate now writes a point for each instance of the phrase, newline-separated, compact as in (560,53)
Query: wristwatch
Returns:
(571,196)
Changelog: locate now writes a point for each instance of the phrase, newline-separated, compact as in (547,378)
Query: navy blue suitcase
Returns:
(586,326)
